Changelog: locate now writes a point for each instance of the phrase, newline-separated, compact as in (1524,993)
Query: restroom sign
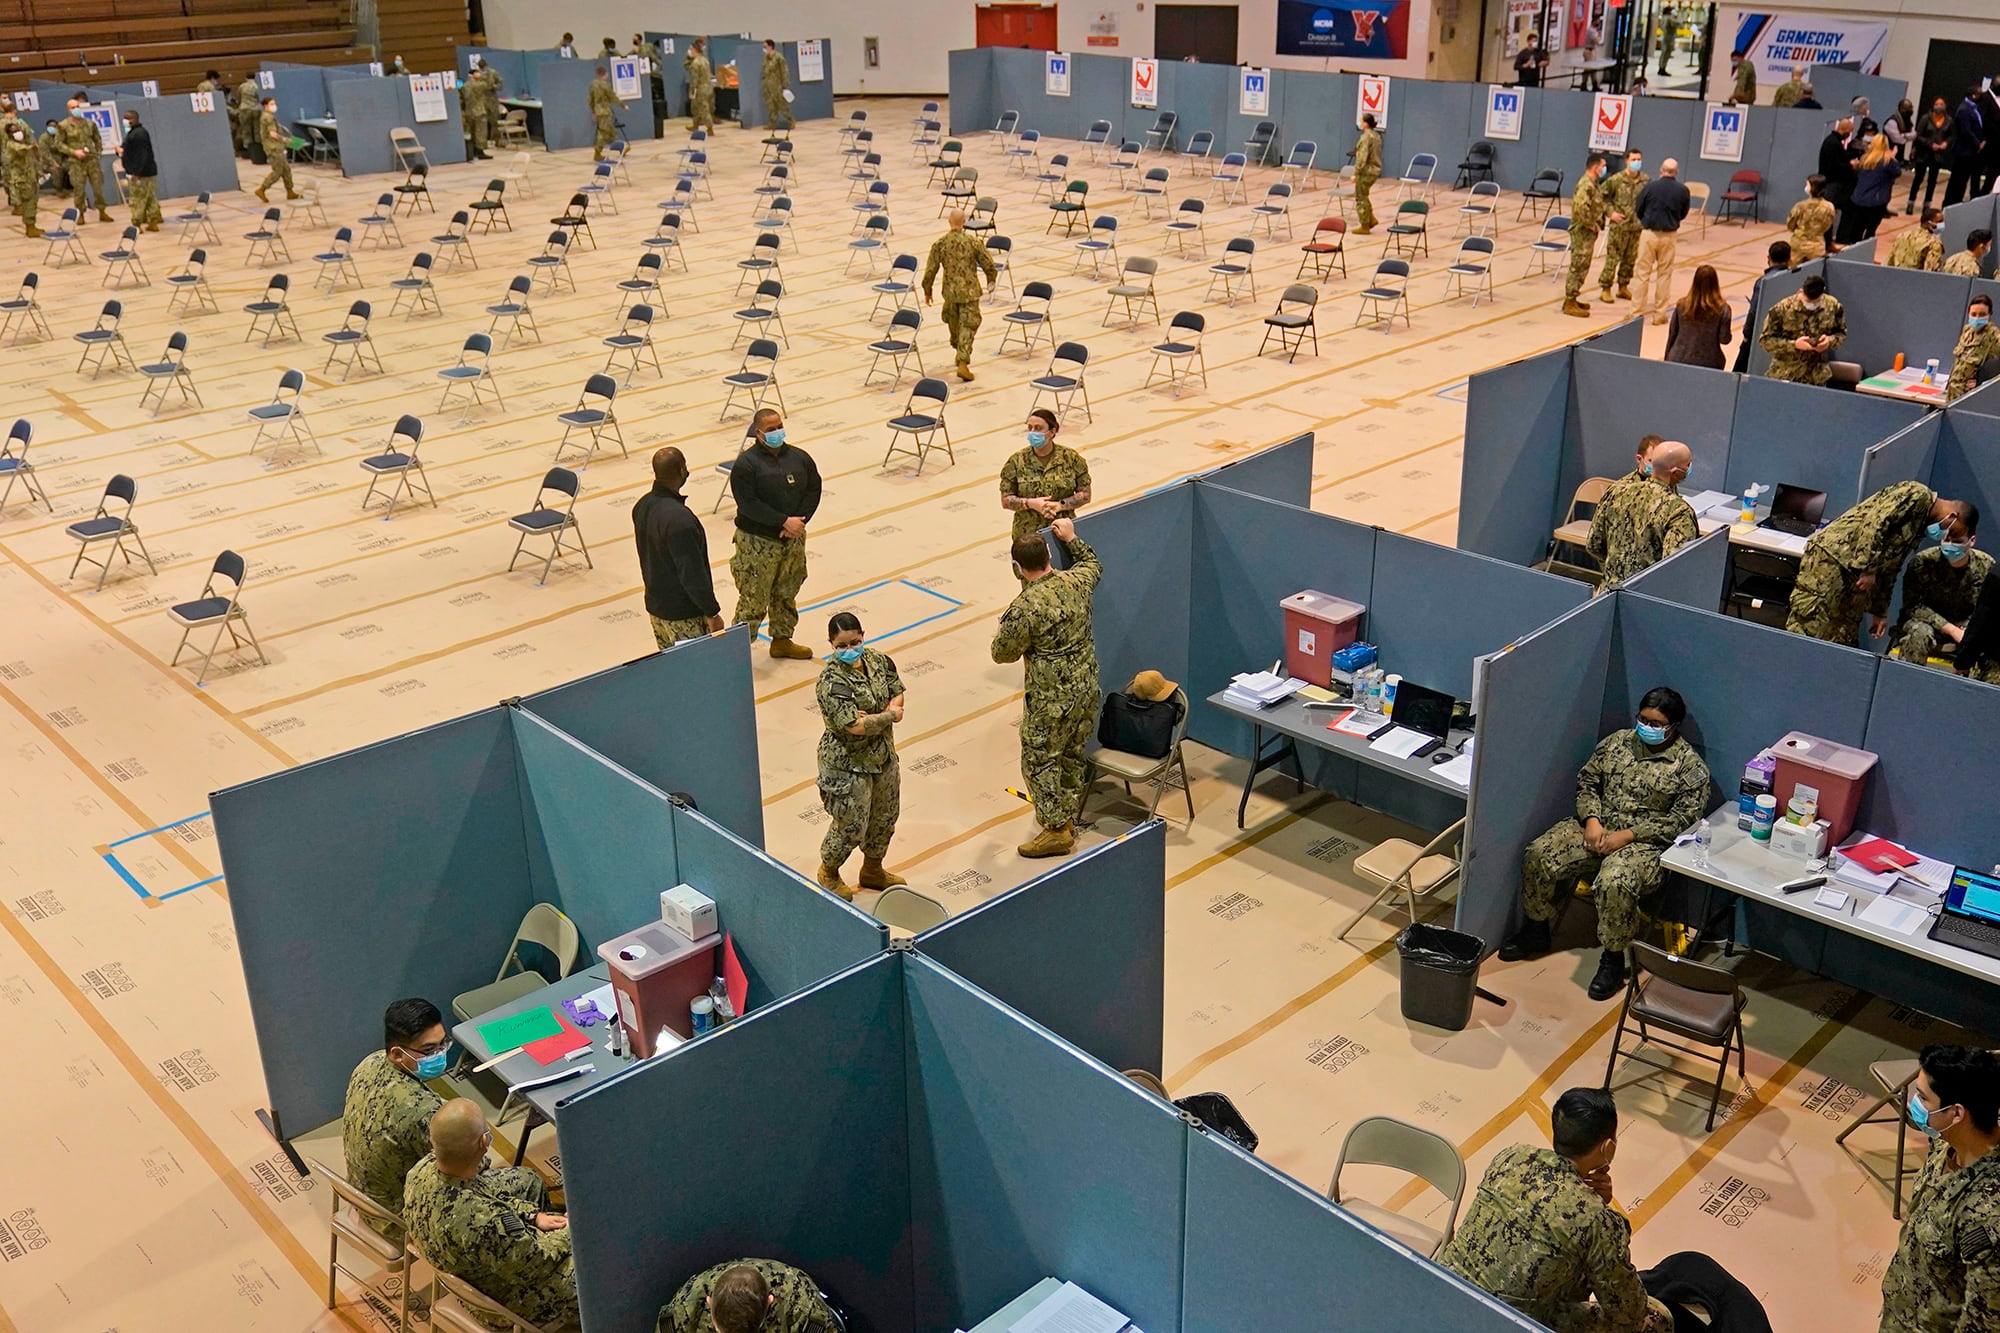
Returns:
(1055,75)
(1254,97)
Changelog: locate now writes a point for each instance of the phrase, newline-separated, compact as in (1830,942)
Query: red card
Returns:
(733,979)
(548,1050)
(1878,855)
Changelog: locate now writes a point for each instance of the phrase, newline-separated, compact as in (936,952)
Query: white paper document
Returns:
(1894,915)
(1072,1310)
(1457,770)
(1400,741)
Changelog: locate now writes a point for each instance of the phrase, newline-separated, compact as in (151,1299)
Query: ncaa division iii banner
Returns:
(1778,42)
(1348,29)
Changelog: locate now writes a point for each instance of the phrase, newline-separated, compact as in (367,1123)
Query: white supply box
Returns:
(688,911)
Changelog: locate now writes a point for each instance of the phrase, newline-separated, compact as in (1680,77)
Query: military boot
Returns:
(873,876)
(1604,295)
(1050,842)
(1624,292)
(103,216)
(33,231)
(1578,308)
(787,649)
(965,370)
(1610,978)
(829,879)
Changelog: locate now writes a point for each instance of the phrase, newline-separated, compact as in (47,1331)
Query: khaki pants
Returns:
(1653,274)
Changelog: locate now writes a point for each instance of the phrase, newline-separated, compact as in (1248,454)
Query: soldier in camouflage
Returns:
(277,142)
(472,112)
(1940,588)
(959,253)
(1641,522)
(1792,89)
(1920,247)
(247,105)
(1802,332)
(1810,222)
(1048,625)
(1636,793)
(1967,262)
(604,108)
(1367,170)
(748,1296)
(509,1249)
(1945,1276)
(860,779)
(1978,343)
(1045,481)
(1541,1232)
(701,87)
(385,1127)
(1850,564)
(82,144)
(776,76)
(1621,243)
(1586,217)
(1745,91)
(22,167)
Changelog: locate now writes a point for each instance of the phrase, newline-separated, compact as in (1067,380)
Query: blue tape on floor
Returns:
(1453,392)
(951,604)
(132,881)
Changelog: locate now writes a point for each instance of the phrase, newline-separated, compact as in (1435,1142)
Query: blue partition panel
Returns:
(1909,455)
(1202,96)
(1968,462)
(511,65)
(1538,721)
(1100,86)
(535,63)
(810,101)
(1283,472)
(1771,291)
(1836,87)
(1961,219)
(1693,576)
(1019,80)
(1917,709)
(1861,252)
(1759,128)
(708,752)
(1891,310)
(1027,1158)
(722,1151)
(1983,401)
(1565,135)
(1424,117)
(565,92)
(393,870)
(1664,127)
(1081,949)
(1515,161)
(1140,617)
(196,151)
(673,78)
(1265,1252)
(1808,437)
(974,99)
(443,140)
(1511,465)
(1618,399)
(367,109)
(1625,338)
(301,92)
(1795,141)
(1319,107)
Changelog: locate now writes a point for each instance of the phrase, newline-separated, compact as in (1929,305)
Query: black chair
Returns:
(1478,165)
(1542,194)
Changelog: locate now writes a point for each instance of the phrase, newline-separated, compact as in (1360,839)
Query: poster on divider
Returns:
(1371,98)
(1254,97)
(1503,113)
(1146,83)
(1722,133)
(427,95)
(812,61)
(1777,42)
(625,78)
(105,115)
(1344,29)
(1055,74)
(1610,122)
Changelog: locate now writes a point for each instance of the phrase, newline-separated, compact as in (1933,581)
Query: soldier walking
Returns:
(1586,216)
(963,259)
(776,78)
(604,109)
(277,151)
(1367,170)
(701,86)
(860,779)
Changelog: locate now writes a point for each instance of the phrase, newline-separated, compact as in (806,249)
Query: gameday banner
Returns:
(1777,42)
(1344,29)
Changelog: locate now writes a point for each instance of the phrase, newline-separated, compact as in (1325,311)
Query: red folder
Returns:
(1878,855)
(733,978)
(548,1050)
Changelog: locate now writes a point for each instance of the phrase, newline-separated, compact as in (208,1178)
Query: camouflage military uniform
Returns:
(1622,786)
(1539,1237)
(1937,593)
(860,780)
(86,173)
(1874,537)
(1975,348)
(1621,242)
(478,1235)
(18,159)
(1917,248)
(776,76)
(1788,321)
(1964,264)
(1586,216)
(385,1130)
(1745,91)
(50,153)
(603,112)
(472,110)
(1048,624)
(701,91)
(1807,226)
(1945,1277)
(1788,94)
(1638,524)
(277,152)
(248,108)
(796,1309)
(1057,477)
(962,257)
(769,571)
(1367,170)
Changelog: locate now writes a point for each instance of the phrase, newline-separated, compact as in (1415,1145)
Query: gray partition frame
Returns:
(1614,397)
(300,91)
(975,101)
(1891,310)
(196,149)
(1967,462)
(1511,469)
(1283,472)
(564,87)
(367,109)
(1962,219)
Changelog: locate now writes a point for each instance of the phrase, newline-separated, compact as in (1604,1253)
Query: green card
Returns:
(504,1034)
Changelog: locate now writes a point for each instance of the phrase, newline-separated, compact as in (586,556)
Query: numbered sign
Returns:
(27,100)
(1055,74)
(375,68)
(149,87)
(266,79)
(1254,97)
(1503,113)
(203,103)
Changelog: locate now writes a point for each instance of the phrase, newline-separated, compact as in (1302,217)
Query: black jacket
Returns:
(138,157)
(1836,160)
(772,485)
(673,557)
(1663,204)
(1968,131)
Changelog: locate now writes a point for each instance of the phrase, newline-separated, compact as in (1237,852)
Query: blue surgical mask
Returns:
(1650,734)
(1920,1116)
(1646,470)
(1977,321)
(1036,439)
(774,439)
(1952,551)
(433,1065)
(848,656)
(1935,532)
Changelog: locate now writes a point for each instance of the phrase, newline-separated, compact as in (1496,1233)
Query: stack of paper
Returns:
(1072,1310)
(1260,689)
(1876,863)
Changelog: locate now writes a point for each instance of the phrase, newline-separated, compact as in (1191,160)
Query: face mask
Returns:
(1036,439)
(1953,551)
(1921,1117)
(1935,532)
(1651,734)
(1977,321)
(433,1065)
(774,439)
(1811,305)
(1646,470)
(1635,167)
(848,656)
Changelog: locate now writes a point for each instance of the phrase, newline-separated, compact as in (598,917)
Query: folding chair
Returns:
(1699,194)
(1100,241)
(681,203)
(1150,187)
(899,344)
(1006,127)
(1480,208)
(1378,1141)
(350,344)
(926,136)
(619,151)
(1226,182)
(1276,208)
(554,521)
(1180,356)
(415,190)
(122,261)
(1327,247)
(1745,188)
(1033,318)
(521,173)
(170,371)
(1292,321)
(899,286)
(633,344)
(553,262)
(376,1231)
(380,226)
(1025,151)
(1096,137)
(1552,241)
(1069,207)
(1000,249)
(644,284)
(105,526)
(916,431)
(762,312)
(472,372)
(857,121)
(267,241)
(65,241)
(592,414)
(398,459)
(697,141)
(1542,194)
(870,244)
(103,342)
(1409,231)
(219,609)
(962,187)
(1160,138)
(514,309)
(1135,289)
(874,202)
(1063,380)
(984,217)
(308,205)
(1478,164)
(1123,161)
(1696,1002)
(285,415)
(762,261)
(272,312)
(415,287)
(196,224)
(14,466)
(757,377)
(26,308)
(455,240)
(1419,179)
(666,239)
(1188,220)
(867,172)
(601,190)
(337,268)
(1234,269)
(1298,168)
(1473,268)
(1051,180)
(776,220)
(949,159)
(490,208)
(574,221)
(321,148)
(1257,148)
(1199,152)
(1386,293)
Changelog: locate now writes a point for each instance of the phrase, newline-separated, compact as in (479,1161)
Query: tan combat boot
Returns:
(965,370)
(33,231)
(1050,842)
(1577,308)
(785,648)
(873,876)
(103,216)
(1624,292)
(1604,295)
(829,879)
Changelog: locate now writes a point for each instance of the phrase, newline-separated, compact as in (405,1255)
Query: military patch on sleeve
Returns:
(512,1223)
(1975,1241)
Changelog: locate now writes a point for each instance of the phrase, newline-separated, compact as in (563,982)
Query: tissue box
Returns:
(1354,656)
(687,911)
(1804,842)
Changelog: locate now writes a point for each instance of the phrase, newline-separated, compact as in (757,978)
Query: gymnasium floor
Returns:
(137,1190)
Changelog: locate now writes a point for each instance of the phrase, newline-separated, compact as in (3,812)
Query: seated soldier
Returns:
(748,1296)
(1940,587)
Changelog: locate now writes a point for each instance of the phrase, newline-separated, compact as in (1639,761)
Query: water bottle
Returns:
(1704,836)
(718,994)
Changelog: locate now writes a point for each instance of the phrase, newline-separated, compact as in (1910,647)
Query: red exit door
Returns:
(1030,26)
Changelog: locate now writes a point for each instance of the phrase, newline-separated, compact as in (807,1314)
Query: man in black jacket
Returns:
(777,490)
(673,556)
(1778,259)
(1989,156)
(142,173)
(1968,143)
(1838,153)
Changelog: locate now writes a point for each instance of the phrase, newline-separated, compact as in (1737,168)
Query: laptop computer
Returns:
(1419,708)
(1796,510)
(1971,915)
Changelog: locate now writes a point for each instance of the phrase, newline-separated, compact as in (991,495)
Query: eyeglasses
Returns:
(430,1048)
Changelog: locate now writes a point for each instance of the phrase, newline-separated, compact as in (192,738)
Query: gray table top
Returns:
(1292,718)
(520,1068)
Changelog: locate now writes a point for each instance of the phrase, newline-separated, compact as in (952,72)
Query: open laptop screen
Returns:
(1423,709)
(1972,894)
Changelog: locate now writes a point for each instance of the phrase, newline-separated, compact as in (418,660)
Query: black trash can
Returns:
(1440,975)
